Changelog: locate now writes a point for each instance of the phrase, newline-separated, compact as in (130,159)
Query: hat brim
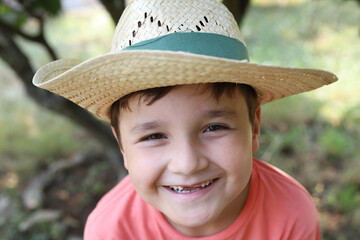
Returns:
(97,83)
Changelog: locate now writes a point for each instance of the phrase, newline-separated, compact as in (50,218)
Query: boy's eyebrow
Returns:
(220,113)
(145,126)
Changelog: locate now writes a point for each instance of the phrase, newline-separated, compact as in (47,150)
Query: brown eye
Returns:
(215,127)
(154,136)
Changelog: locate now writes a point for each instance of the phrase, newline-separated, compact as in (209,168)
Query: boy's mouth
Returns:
(190,189)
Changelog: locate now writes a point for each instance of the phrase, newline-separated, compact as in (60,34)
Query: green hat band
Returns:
(209,44)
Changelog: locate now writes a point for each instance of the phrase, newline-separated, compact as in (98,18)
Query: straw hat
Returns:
(163,43)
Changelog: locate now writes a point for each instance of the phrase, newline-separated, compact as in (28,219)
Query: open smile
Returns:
(193,188)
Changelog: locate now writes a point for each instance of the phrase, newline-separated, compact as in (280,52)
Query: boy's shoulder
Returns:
(277,199)
(276,185)
(271,174)
(277,181)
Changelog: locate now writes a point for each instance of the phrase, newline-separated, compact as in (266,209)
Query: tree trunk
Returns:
(238,8)
(18,61)
(114,8)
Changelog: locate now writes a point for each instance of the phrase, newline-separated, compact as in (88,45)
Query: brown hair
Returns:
(152,95)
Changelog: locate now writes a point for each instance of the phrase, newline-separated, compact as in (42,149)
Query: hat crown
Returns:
(146,19)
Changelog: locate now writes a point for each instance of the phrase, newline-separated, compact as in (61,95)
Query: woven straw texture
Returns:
(149,19)
(98,82)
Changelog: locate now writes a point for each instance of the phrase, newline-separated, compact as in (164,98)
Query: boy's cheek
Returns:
(135,161)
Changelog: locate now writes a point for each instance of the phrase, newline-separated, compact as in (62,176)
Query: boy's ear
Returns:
(256,130)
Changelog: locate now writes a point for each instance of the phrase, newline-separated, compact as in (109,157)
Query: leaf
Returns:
(4,8)
(51,7)
(20,20)
(13,17)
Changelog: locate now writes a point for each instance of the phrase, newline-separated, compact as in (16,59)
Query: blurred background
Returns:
(56,160)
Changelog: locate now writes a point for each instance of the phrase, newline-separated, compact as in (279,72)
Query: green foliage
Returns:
(51,136)
(51,7)
(358,1)
(293,109)
(4,8)
(44,230)
(17,16)
(345,198)
(9,229)
(336,142)
(311,34)
(352,120)
(13,17)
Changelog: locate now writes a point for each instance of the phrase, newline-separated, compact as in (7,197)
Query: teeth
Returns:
(178,188)
(194,188)
(207,183)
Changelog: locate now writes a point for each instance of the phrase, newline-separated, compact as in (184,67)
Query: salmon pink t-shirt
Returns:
(277,207)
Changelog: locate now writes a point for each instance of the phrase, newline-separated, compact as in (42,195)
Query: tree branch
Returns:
(9,28)
(43,41)
(115,8)
(29,11)
(40,38)
(238,8)
(18,61)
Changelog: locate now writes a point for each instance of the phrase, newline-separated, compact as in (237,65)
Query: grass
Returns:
(313,34)
(312,136)
(51,137)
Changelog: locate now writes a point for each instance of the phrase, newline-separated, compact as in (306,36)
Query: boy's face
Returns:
(190,156)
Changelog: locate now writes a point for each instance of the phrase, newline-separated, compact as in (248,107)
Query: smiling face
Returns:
(190,156)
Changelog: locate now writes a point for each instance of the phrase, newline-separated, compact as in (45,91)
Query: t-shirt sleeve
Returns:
(287,205)
(305,223)
(104,221)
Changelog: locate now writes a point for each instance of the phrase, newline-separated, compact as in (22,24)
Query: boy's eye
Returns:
(154,136)
(215,127)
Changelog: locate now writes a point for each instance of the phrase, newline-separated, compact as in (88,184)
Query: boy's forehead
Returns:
(203,90)
(180,96)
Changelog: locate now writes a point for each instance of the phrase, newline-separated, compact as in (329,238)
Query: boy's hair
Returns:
(152,95)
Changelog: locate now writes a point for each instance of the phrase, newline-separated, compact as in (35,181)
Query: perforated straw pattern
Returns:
(143,20)
(98,82)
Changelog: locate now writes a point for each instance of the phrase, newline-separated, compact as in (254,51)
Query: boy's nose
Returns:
(187,158)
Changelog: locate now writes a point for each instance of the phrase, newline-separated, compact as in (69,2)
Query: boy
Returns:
(184,104)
